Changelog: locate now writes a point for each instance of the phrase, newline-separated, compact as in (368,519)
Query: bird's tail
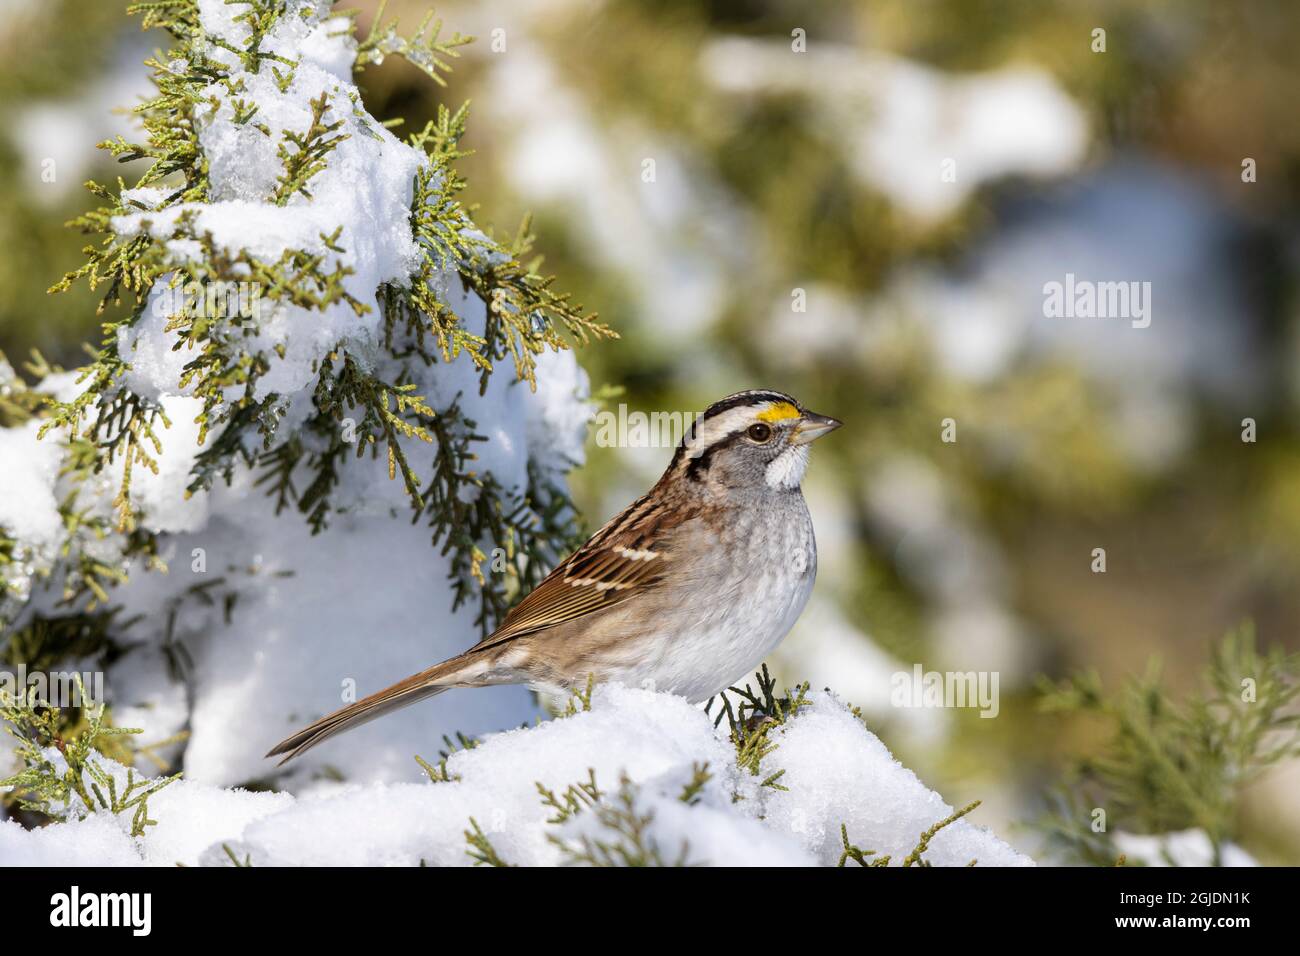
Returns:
(417,687)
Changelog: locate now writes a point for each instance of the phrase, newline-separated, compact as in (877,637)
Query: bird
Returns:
(685,591)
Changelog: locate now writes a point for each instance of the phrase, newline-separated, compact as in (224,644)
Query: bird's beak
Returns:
(812,427)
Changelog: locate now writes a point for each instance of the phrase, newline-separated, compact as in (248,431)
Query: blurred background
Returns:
(860,204)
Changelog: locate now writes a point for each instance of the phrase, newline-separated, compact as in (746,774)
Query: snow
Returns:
(903,120)
(560,438)
(1182,848)
(29,509)
(836,771)
(95,841)
(156,494)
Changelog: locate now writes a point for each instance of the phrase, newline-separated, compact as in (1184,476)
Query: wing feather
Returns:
(624,558)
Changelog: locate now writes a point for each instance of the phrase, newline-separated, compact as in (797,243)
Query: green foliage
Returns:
(579,698)
(440,774)
(572,800)
(1170,765)
(307,157)
(915,858)
(620,833)
(43,641)
(84,568)
(754,718)
(235,861)
(691,790)
(20,404)
(427,52)
(856,854)
(78,782)
(622,837)
(481,849)
(525,315)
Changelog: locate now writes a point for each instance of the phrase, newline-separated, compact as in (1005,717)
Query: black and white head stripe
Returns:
(755,396)
(732,415)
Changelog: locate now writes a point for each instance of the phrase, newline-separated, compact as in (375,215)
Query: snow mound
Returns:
(643,751)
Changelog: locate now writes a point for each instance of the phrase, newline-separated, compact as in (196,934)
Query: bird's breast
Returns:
(735,608)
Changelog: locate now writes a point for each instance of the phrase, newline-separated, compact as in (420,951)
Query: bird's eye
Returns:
(758,432)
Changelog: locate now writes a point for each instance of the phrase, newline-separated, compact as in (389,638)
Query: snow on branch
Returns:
(300,317)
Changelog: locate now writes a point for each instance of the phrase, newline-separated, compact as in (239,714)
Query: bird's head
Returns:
(753,439)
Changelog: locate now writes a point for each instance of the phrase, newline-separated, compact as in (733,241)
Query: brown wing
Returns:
(624,558)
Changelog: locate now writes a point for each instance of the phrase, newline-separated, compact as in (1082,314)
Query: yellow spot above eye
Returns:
(778,412)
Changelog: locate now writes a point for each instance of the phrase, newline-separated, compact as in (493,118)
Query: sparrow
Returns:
(685,592)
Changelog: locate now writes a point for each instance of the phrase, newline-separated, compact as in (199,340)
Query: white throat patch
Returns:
(786,469)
